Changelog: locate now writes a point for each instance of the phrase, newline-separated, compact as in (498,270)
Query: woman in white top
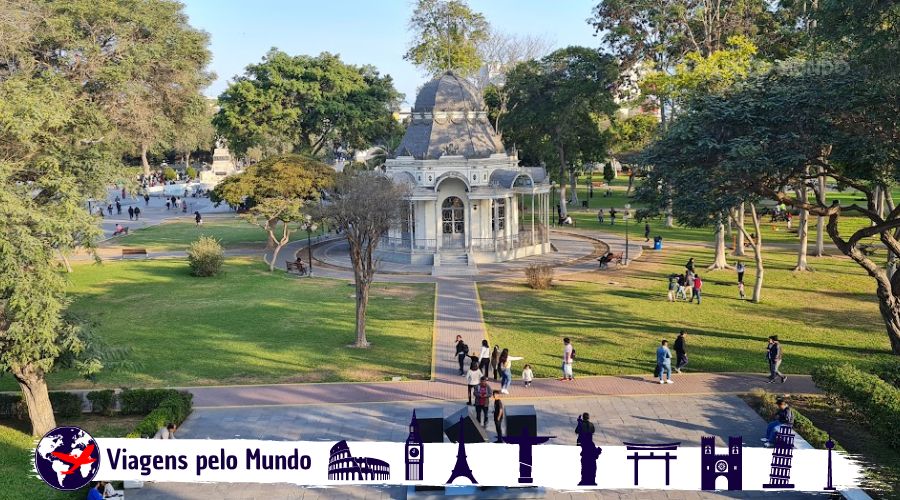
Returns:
(506,370)
(484,359)
(473,378)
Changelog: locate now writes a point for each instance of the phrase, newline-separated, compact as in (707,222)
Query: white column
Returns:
(468,225)
(532,216)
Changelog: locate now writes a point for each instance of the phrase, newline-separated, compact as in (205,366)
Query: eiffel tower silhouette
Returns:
(461,469)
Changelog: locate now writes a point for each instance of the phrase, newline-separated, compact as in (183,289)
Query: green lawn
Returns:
(17,478)
(246,326)
(232,232)
(617,318)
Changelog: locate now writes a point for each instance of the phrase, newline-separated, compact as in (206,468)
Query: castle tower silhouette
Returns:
(713,466)
(461,469)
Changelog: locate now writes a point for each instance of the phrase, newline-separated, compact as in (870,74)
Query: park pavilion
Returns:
(470,200)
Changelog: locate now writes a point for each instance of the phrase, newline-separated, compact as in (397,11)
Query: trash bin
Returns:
(657,243)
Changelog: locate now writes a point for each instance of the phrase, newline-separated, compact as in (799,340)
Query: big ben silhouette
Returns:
(414,451)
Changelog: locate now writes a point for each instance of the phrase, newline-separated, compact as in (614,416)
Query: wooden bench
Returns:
(134,251)
(296,265)
(616,258)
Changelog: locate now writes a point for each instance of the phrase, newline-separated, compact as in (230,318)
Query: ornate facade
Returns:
(342,466)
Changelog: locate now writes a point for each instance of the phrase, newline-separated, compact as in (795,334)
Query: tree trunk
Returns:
(187,160)
(739,243)
(37,399)
(562,184)
(573,179)
(362,302)
(820,222)
(144,161)
(720,261)
(630,181)
(757,257)
(65,260)
(670,219)
(802,231)
(271,242)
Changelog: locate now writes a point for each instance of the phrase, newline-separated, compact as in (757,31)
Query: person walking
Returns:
(612,216)
(495,362)
(600,216)
(741,290)
(462,352)
(682,293)
(690,265)
(484,357)
(784,416)
(681,358)
(646,232)
(109,209)
(739,267)
(198,218)
(673,286)
(697,285)
(137,213)
(527,375)
(774,355)
(118,207)
(146,200)
(568,360)
(473,378)
(664,362)
(130,213)
(499,413)
(689,285)
(505,363)
(483,395)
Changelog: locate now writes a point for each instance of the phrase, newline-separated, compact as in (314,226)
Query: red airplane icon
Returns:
(83,459)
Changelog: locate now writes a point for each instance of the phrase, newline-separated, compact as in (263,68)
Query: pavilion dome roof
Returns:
(449,118)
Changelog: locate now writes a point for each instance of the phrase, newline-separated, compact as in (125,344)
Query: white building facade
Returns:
(471,202)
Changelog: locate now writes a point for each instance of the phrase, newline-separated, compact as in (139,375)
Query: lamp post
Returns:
(309,226)
(627,209)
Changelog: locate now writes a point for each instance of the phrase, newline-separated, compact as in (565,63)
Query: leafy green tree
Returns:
(609,173)
(60,88)
(445,37)
(302,104)
(191,172)
(275,191)
(169,174)
(556,106)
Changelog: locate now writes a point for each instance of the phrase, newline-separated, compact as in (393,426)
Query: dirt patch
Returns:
(395,292)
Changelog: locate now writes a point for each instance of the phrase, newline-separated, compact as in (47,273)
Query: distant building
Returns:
(342,466)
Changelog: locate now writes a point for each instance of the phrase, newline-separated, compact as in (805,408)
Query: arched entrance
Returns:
(453,223)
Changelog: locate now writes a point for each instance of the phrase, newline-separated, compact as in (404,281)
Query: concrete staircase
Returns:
(453,264)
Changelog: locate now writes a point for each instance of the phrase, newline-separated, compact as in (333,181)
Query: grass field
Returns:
(246,326)
(16,477)
(232,232)
(616,318)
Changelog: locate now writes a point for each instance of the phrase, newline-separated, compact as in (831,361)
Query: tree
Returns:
(630,135)
(445,37)
(275,191)
(609,173)
(306,105)
(364,206)
(556,106)
(195,132)
(65,69)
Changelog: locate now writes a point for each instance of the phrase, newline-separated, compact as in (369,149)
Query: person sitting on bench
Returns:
(605,260)
(566,221)
(120,230)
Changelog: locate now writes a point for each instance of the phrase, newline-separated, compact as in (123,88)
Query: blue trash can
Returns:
(657,243)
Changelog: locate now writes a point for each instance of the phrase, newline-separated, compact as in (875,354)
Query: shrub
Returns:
(540,276)
(889,371)
(174,408)
(802,425)
(190,172)
(12,406)
(143,401)
(876,400)
(66,404)
(169,174)
(206,257)
(102,402)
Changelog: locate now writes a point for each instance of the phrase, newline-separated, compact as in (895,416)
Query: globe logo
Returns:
(67,458)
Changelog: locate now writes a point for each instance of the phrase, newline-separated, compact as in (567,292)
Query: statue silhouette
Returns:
(589,451)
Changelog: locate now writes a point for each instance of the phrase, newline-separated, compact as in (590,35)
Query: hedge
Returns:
(889,371)
(12,406)
(143,401)
(802,425)
(102,402)
(66,404)
(174,407)
(876,400)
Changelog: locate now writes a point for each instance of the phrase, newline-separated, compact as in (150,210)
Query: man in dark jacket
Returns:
(784,417)
(773,356)
(680,351)
(462,351)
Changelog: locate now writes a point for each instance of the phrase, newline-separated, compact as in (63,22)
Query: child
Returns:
(741,289)
(527,375)
(498,418)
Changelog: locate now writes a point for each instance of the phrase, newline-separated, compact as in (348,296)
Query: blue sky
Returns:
(362,31)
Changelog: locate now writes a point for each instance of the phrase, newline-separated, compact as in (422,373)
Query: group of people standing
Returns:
(687,285)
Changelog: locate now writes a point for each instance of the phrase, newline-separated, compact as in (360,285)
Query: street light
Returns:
(627,208)
(309,226)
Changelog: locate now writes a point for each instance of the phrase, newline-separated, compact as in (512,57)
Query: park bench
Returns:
(296,265)
(616,258)
(126,252)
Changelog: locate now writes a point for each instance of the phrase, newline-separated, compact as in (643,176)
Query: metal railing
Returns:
(407,244)
(448,242)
